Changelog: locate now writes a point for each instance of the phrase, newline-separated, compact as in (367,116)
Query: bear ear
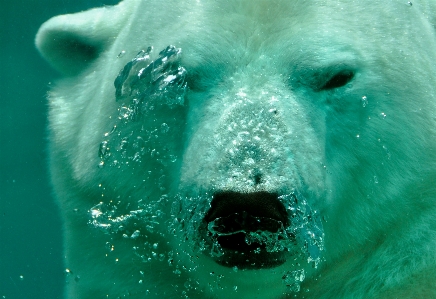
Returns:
(71,42)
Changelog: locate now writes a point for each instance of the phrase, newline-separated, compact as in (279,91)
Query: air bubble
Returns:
(111,131)
(135,234)
(110,247)
(388,154)
(164,128)
(292,279)
(364,101)
(104,151)
(216,250)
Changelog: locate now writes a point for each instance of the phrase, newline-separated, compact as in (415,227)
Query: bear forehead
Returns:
(283,31)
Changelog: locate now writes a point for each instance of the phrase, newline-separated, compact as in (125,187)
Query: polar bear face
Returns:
(240,149)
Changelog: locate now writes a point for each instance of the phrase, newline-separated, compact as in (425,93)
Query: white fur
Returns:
(369,169)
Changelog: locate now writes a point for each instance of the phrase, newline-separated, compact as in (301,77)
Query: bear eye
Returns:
(338,80)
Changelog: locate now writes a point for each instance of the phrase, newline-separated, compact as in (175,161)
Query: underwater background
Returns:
(30,226)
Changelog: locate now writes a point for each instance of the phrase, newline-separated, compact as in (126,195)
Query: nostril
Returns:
(257,178)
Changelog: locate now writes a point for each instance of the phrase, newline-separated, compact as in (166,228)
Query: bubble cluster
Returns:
(112,217)
(145,89)
(364,101)
(302,240)
(292,279)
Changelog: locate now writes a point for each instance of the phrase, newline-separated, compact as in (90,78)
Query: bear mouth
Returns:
(247,228)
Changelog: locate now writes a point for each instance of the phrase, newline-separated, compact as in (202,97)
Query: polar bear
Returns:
(246,149)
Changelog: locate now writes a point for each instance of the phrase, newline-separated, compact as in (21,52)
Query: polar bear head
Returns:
(240,149)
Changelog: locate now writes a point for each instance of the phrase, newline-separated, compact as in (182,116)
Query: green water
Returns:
(30,227)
